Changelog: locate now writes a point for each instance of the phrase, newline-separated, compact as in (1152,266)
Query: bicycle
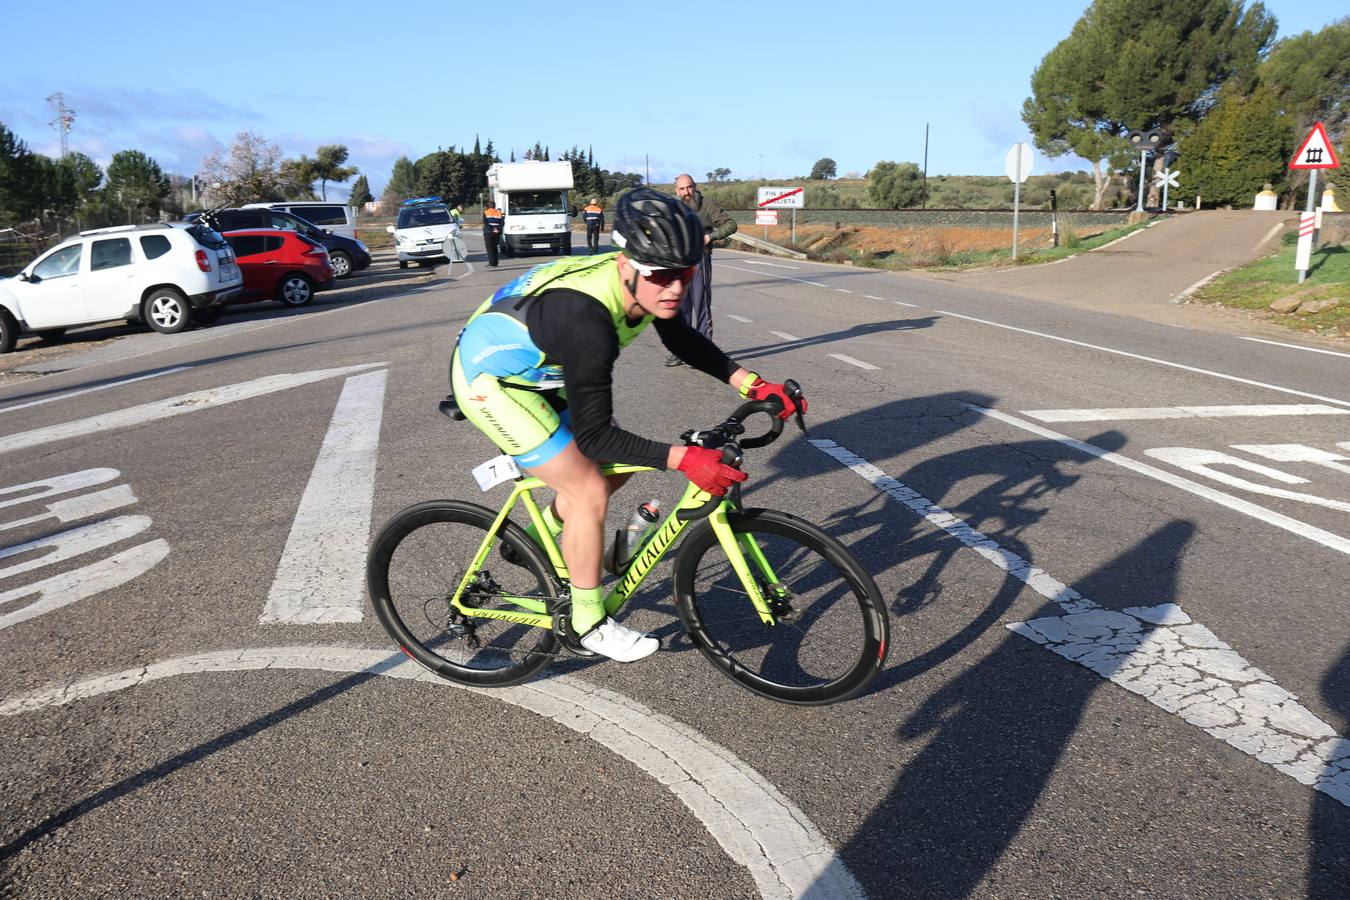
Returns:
(775,603)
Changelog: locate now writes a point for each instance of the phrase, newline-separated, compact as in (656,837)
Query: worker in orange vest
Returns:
(595,223)
(493,222)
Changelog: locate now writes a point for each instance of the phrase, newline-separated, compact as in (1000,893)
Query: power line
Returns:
(65,117)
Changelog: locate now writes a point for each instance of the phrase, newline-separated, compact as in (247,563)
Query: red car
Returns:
(279,265)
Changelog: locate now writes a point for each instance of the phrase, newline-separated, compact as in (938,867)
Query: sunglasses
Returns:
(663,277)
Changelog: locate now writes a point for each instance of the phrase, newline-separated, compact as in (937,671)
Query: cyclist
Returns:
(533,369)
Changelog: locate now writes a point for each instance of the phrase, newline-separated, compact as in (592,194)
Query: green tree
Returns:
(360,192)
(895,185)
(1242,144)
(402,182)
(719,174)
(296,177)
(17,194)
(824,168)
(443,174)
(1140,64)
(137,184)
(329,166)
(1310,76)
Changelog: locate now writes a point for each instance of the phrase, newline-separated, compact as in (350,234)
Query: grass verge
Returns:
(1258,284)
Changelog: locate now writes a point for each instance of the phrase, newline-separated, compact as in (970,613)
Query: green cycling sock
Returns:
(551,520)
(588,608)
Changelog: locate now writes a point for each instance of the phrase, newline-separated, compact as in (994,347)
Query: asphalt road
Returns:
(1114,553)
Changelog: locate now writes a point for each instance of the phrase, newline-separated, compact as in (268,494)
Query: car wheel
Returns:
(9,331)
(295,290)
(403,264)
(51,335)
(166,311)
(341,263)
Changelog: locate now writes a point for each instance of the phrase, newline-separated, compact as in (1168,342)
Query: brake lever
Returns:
(794,390)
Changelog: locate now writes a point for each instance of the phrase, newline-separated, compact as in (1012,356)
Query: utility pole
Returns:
(924,202)
(761,167)
(65,117)
(648,158)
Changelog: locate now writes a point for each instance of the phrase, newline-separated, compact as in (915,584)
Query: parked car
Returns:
(280,265)
(335,217)
(347,254)
(420,232)
(166,276)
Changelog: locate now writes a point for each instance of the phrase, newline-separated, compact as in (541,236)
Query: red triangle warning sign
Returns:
(1316,152)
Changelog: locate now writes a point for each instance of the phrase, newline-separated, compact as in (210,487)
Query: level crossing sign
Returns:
(780,198)
(1316,152)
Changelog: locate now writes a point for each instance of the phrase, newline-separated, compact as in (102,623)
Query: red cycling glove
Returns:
(759,389)
(705,468)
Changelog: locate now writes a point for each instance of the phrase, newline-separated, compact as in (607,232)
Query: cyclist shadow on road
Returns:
(1329,819)
(983,746)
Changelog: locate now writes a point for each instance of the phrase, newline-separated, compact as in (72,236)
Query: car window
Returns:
(272,244)
(109,254)
(235,219)
(155,245)
(320,215)
(65,261)
(245,245)
(283,221)
(414,216)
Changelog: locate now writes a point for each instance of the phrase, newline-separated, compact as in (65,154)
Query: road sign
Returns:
(1316,152)
(780,198)
(766,217)
(1166,178)
(1018,162)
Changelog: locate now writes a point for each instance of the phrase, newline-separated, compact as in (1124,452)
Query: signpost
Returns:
(774,198)
(1316,153)
(1165,179)
(1018,165)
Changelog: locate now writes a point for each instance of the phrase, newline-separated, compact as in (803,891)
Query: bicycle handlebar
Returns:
(725,436)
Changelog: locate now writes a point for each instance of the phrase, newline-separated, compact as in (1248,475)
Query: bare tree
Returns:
(250,171)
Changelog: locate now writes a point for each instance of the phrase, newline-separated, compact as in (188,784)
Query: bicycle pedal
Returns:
(562,629)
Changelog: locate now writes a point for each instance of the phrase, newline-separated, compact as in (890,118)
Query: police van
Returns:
(423,225)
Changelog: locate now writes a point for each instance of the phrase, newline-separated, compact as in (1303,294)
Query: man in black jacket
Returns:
(696,308)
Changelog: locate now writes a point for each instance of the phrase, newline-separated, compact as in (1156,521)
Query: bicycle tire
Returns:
(415,565)
(833,636)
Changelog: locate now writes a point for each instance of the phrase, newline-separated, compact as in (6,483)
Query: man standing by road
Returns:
(595,223)
(493,220)
(696,308)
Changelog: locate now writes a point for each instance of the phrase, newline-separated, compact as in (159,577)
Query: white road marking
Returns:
(1298,453)
(770,275)
(1270,517)
(1186,294)
(852,362)
(1202,462)
(1183,412)
(1151,359)
(59,484)
(760,262)
(321,576)
(173,406)
(1296,346)
(740,318)
(1278,226)
(755,824)
(86,581)
(1157,652)
(843,290)
(90,390)
(870,297)
(784,335)
(903,303)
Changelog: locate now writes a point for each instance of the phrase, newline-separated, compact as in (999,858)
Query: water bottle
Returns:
(629,539)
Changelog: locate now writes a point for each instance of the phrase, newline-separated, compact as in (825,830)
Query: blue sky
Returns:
(755,87)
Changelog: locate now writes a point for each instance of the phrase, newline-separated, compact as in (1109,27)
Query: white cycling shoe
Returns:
(620,644)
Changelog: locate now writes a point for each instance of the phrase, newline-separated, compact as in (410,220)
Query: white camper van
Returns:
(533,196)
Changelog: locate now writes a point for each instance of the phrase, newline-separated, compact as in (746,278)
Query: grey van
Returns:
(338,218)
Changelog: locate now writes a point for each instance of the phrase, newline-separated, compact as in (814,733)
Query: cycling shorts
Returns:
(533,426)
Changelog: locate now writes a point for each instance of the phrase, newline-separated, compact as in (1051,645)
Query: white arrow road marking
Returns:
(1270,517)
(1298,453)
(86,581)
(1158,653)
(1203,462)
(60,484)
(321,577)
(173,406)
(90,390)
(753,822)
(1183,412)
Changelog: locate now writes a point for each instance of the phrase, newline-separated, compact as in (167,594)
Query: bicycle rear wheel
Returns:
(415,565)
(832,630)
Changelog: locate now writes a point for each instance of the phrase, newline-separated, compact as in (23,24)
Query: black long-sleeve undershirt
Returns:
(575,331)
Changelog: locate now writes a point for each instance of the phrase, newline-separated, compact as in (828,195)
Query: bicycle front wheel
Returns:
(416,564)
(831,630)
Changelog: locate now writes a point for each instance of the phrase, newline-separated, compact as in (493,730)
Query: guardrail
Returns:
(930,218)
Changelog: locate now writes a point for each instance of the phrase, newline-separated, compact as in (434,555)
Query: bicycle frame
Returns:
(742,552)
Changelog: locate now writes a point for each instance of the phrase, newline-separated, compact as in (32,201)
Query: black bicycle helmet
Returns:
(658,230)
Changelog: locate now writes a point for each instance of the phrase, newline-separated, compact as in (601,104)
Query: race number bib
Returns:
(494,472)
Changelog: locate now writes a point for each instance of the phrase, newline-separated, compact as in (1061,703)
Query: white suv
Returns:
(164,275)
